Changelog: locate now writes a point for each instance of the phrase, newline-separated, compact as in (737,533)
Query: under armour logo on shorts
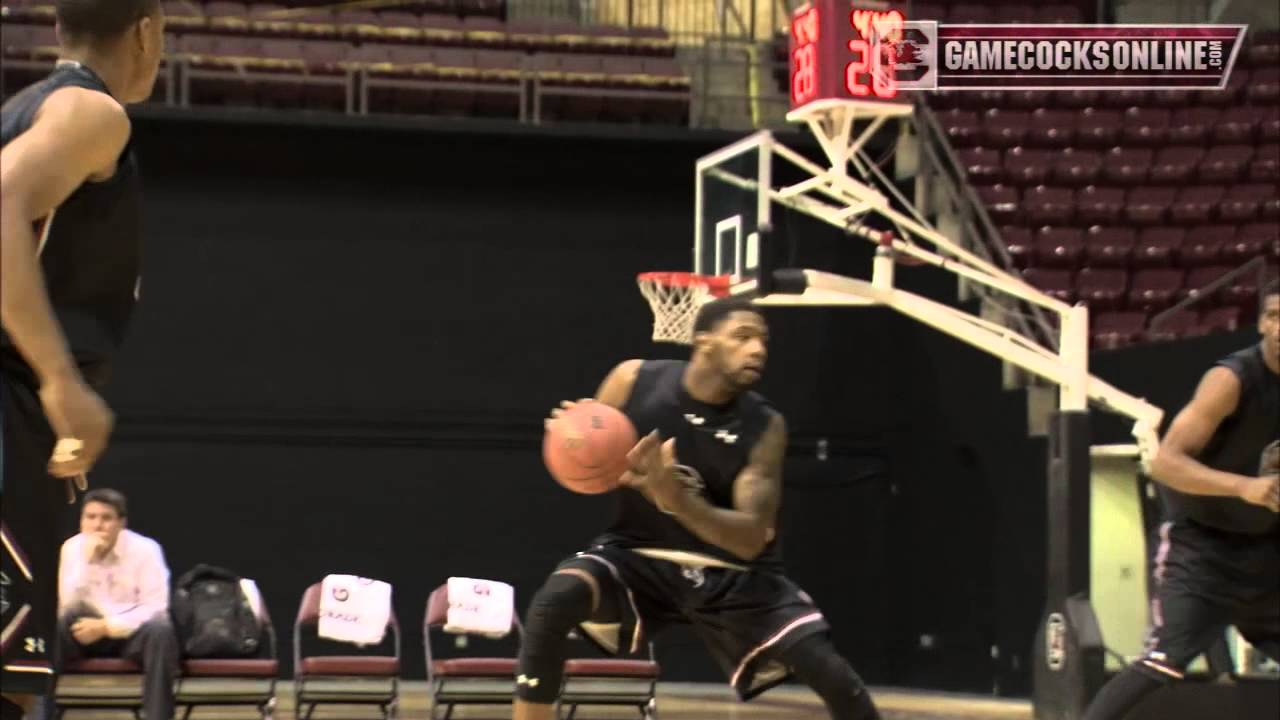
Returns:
(526,680)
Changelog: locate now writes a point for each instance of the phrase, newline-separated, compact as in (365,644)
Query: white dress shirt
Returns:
(128,586)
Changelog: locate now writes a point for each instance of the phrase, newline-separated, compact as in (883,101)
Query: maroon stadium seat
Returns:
(1235,126)
(1250,241)
(1127,166)
(1060,13)
(970,13)
(1264,86)
(1203,245)
(1001,202)
(1051,128)
(981,165)
(1077,167)
(1268,233)
(1145,126)
(1097,128)
(1099,205)
(1109,246)
(1190,126)
(1224,163)
(1149,205)
(1025,99)
(1176,325)
(1195,204)
(1154,289)
(1004,128)
(963,127)
(1048,205)
(1265,166)
(1198,279)
(1225,319)
(1059,247)
(1018,243)
(1247,202)
(1158,246)
(1118,329)
(1175,165)
(1053,282)
(1027,166)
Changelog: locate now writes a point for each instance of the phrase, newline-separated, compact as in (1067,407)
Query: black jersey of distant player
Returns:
(713,444)
(1246,443)
(90,246)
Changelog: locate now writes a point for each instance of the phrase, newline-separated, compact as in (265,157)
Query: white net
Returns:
(675,299)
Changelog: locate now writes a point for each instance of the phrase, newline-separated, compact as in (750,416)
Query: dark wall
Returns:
(348,339)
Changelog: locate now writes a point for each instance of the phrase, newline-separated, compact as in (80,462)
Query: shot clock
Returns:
(843,51)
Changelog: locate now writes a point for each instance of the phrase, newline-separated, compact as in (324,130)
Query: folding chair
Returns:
(608,681)
(233,681)
(464,680)
(343,679)
(99,684)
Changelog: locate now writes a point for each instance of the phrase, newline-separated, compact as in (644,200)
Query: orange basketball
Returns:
(586,448)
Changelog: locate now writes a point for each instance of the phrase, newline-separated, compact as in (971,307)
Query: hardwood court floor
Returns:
(676,701)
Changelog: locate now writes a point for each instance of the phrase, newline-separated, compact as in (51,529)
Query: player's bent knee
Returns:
(563,602)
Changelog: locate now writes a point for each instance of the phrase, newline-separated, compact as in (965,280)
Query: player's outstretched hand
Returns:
(1264,491)
(651,464)
(565,405)
(81,421)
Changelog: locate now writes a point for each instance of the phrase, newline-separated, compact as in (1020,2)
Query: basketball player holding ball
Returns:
(695,539)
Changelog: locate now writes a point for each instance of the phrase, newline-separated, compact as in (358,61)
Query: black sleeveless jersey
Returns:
(90,246)
(713,444)
(1246,443)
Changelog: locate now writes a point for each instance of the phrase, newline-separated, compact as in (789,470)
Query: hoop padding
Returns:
(675,298)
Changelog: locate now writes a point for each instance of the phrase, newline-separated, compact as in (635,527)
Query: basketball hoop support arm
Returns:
(1064,370)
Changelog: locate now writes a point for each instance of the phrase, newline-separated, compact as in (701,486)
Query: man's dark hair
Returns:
(100,19)
(107,496)
(716,311)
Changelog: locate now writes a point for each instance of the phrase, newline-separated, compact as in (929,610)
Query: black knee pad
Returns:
(816,663)
(561,605)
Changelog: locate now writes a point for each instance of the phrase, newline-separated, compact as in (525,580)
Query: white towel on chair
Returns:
(480,607)
(354,609)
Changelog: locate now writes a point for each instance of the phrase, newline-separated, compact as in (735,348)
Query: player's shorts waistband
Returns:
(688,559)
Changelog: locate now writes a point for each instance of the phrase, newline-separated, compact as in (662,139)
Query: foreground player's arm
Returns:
(1175,464)
(749,527)
(78,135)
(616,388)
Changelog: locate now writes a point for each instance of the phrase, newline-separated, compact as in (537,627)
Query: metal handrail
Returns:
(1257,265)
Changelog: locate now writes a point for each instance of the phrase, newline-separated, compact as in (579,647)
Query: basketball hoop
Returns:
(675,298)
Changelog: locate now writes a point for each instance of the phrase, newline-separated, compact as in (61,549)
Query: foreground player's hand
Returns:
(76,412)
(565,406)
(88,631)
(1264,491)
(651,464)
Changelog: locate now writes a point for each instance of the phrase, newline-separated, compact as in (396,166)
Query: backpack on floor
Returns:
(212,615)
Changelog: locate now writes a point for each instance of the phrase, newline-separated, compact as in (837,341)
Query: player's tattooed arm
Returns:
(751,525)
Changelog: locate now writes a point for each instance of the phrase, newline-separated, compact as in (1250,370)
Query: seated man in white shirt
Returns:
(113,599)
